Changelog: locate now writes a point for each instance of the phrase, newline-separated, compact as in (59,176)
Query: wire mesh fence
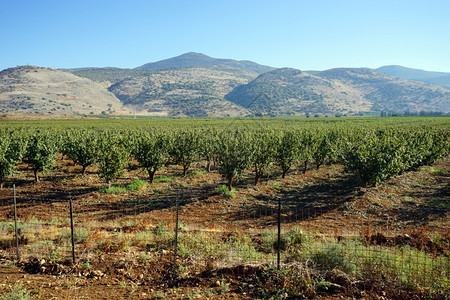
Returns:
(270,232)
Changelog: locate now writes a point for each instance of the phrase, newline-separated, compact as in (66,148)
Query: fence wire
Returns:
(235,237)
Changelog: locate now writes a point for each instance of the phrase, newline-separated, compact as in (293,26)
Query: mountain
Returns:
(30,89)
(194,84)
(390,93)
(290,91)
(189,91)
(441,78)
(193,59)
(338,91)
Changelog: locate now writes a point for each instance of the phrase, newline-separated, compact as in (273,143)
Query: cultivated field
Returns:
(190,209)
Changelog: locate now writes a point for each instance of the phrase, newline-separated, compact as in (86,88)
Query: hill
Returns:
(338,91)
(30,89)
(290,91)
(389,93)
(194,91)
(193,59)
(441,78)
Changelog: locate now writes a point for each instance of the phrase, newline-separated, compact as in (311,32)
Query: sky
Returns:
(303,34)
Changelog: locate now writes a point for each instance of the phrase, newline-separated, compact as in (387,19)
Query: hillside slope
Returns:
(30,89)
(195,91)
(389,93)
(290,91)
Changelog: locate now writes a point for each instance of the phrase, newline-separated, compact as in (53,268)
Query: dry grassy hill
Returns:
(193,91)
(36,90)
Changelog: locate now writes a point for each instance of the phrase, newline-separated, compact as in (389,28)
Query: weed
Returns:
(137,185)
(275,185)
(223,189)
(439,172)
(134,288)
(323,285)
(114,189)
(160,229)
(143,257)
(82,234)
(328,256)
(17,293)
(163,179)
(86,265)
(197,173)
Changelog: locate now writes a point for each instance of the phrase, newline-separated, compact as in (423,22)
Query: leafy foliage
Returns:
(41,151)
(12,150)
(113,156)
(152,152)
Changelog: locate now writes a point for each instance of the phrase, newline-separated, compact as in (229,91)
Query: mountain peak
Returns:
(193,54)
(195,59)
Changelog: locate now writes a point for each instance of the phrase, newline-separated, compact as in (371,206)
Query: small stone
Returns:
(141,276)
(250,286)
(217,283)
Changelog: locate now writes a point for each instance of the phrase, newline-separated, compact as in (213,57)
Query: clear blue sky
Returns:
(308,35)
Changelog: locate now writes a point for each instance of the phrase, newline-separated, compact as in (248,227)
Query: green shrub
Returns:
(17,293)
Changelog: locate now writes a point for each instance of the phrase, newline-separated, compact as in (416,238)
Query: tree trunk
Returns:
(258,175)
(305,168)
(229,184)
(83,171)
(208,166)
(151,175)
(36,177)
(2,181)
(185,168)
(284,172)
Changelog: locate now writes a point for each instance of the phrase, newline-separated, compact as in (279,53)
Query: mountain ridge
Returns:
(440,78)
(194,84)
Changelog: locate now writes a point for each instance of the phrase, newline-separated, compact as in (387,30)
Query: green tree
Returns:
(234,155)
(112,156)
(82,148)
(152,152)
(264,148)
(185,148)
(41,152)
(288,151)
(12,149)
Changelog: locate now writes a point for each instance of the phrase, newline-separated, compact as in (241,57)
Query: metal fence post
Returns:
(176,237)
(15,222)
(71,228)
(279,233)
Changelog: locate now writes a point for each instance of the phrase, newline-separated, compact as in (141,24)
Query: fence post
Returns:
(15,222)
(71,228)
(176,238)
(279,233)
